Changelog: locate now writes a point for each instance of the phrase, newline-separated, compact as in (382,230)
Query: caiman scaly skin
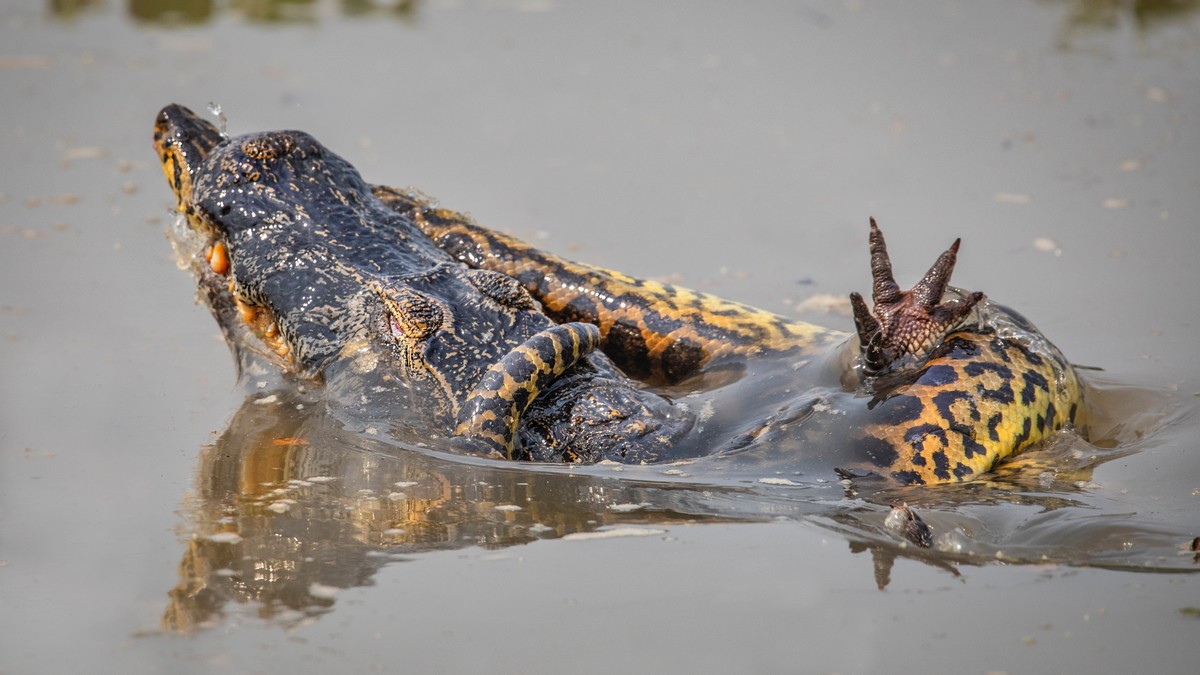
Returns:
(320,271)
(966,399)
(321,268)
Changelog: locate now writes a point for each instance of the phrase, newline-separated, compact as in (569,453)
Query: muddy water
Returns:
(143,492)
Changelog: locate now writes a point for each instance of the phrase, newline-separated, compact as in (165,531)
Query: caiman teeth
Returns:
(261,322)
(213,267)
(218,259)
(248,312)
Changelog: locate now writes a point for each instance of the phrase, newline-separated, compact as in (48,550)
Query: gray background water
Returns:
(738,148)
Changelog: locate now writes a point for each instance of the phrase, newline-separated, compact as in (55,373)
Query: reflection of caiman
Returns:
(334,276)
(290,507)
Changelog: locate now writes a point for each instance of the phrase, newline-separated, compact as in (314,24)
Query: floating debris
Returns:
(1158,94)
(507,507)
(92,152)
(1011,198)
(23,62)
(1047,245)
(826,303)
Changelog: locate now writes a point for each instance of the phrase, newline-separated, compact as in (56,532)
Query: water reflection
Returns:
(1082,17)
(185,12)
(1110,14)
(1087,18)
(290,507)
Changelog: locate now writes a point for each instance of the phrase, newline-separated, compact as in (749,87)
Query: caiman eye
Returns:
(412,316)
(267,147)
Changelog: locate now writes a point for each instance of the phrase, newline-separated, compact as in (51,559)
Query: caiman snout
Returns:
(182,140)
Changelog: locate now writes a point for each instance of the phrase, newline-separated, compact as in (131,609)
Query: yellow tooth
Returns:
(218,259)
(248,312)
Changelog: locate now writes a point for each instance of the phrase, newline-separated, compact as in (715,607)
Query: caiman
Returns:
(516,353)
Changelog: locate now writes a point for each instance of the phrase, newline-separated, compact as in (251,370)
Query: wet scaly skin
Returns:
(321,268)
(323,274)
(954,386)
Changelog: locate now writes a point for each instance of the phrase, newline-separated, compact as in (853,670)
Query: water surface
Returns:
(144,493)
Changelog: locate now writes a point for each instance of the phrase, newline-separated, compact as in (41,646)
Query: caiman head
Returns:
(300,262)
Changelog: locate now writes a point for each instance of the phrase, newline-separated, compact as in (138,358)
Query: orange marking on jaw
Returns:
(218,259)
(176,170)
(290,441)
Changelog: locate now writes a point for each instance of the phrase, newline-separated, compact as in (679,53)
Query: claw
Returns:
(885,289)
(906,325)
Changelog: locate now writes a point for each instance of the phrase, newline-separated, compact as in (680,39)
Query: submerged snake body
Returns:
(986,392)
(501,343)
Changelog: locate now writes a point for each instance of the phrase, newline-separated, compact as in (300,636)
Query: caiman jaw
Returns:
(182,140)
(905,326)
(216,271)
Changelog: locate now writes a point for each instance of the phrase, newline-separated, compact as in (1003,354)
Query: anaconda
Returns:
(522,354)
